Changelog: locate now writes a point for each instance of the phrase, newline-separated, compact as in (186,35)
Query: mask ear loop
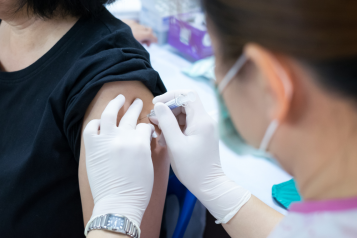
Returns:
(275,123)
(232,72)
(268,135)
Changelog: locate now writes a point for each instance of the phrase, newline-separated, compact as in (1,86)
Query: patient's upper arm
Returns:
(131,90)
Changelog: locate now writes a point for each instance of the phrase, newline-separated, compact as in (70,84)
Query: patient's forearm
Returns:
(153,213)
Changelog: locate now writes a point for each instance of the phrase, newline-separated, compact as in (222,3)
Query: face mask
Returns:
(228,134)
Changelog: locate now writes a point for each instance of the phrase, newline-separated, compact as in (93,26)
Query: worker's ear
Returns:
(276,76)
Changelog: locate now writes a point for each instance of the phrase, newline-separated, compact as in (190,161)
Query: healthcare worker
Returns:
(287,89)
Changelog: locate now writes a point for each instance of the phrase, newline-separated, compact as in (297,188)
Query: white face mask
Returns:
(229,135)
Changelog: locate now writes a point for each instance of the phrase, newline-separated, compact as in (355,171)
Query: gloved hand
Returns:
(194,155)
(118,160)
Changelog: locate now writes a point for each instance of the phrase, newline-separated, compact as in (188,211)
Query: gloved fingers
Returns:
(183,110)
(154,120)
(110,114)
(181,118)
(177,111)
(195,106)
(169,96)
(195,113)
(147,131)
(92,128)
(131,117)
(162,140)
(168,123)
(190,109)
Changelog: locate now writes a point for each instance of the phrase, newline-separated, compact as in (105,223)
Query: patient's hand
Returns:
(141,33)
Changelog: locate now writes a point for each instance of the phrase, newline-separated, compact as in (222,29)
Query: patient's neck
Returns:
(24,39)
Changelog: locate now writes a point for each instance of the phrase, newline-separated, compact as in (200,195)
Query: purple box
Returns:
(188,34)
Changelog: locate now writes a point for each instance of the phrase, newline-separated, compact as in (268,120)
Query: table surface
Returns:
(256,175)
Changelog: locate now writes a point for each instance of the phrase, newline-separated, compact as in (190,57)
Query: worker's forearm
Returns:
(254,220)
(105,234)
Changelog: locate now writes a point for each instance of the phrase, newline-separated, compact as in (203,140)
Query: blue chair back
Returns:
(187,202)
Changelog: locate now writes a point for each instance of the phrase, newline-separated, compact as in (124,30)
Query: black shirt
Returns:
(42,108)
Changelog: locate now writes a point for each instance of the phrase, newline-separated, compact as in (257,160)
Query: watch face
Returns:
(116,223)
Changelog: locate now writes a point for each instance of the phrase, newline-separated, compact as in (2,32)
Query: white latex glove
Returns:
(118,160)
(194,156)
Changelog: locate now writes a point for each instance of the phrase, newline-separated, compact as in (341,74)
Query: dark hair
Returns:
(320,33)
(47,8)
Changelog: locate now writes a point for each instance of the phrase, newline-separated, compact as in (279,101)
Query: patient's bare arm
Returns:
(150,226)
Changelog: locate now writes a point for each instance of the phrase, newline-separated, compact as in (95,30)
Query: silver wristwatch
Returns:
(115,223)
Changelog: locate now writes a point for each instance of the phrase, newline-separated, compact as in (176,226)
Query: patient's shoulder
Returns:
(110,32)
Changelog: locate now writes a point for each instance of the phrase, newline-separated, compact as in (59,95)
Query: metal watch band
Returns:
(115,223)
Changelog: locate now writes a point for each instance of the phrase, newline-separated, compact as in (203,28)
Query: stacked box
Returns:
(188,34)
(156,14)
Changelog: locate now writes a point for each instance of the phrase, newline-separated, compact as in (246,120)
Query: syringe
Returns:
(180,101)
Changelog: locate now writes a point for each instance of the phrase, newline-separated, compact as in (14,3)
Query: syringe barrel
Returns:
(172,104)
(180,101)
